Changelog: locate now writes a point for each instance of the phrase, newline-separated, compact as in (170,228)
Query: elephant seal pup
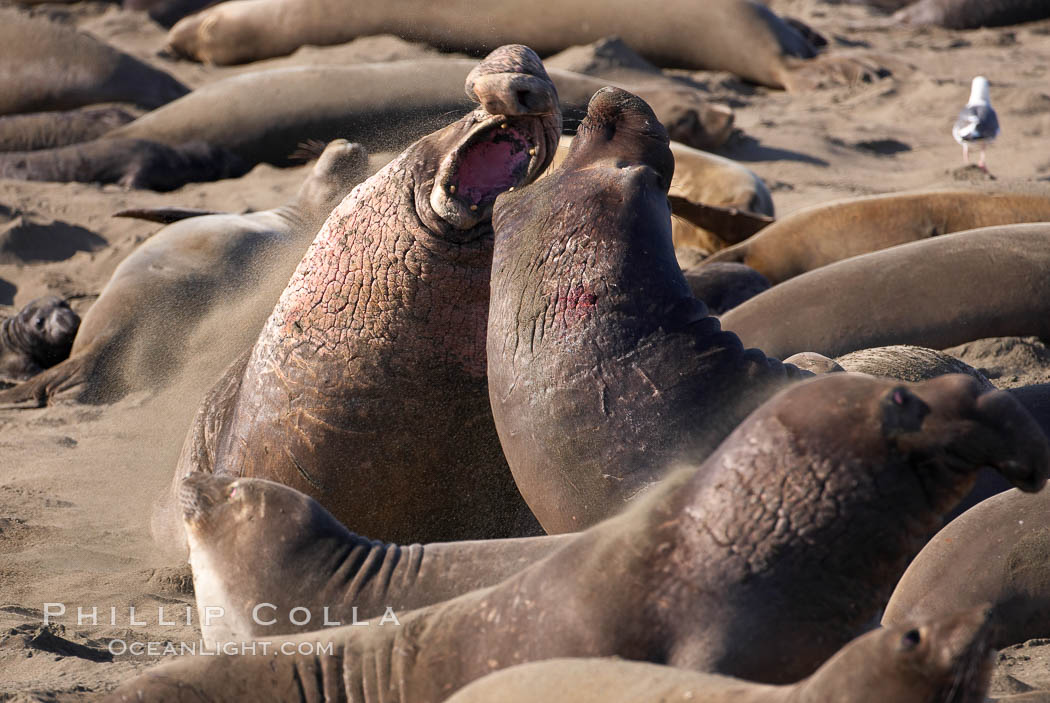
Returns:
(132,163)
(39,336)
(973,14)
(170,282)
(936,293)
(905,362)
(376,348)
(823,234)
(315,564)
(946,660)
(724,286)
(997,551)
(716,201)
(593,326)
(760,564)
(51,66)
(739,36)
(46,130)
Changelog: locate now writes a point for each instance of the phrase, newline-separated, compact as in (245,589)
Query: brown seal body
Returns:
(407,98)
(314,563)
(946,659)
(366,388)
(739,36)
(722,287)
(38,337)
(823,234)
(997,551)
(592,326)
(746,566)
(906,362)
(132,163)
(50,66)
(936,293)
(972,14)
(46,130)
(167,285)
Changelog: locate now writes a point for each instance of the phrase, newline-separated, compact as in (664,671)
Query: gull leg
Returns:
(966,154)
(980,162)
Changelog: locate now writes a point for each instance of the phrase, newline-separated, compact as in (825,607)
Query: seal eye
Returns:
(910,640)
(903,411)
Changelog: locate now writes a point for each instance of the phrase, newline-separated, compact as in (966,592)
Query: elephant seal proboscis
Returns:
(376,348)
(593,326)
(760,564)
(38,337)
(946,660)
(163,289)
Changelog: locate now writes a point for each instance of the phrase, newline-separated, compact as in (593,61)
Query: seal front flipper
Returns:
(730,224)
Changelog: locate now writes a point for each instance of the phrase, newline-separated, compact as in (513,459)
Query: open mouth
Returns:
(498,155)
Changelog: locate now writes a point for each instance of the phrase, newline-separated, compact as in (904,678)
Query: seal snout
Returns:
(1025,459)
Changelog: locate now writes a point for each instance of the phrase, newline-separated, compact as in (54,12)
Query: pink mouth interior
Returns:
(491,165)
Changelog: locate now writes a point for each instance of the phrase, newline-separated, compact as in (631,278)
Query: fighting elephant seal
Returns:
(945,660)
(314,564)
(744,566)
(383,106)
(823,234)
(972,14)
(376,349)
(935,293)
(50,66)
(131,163)
(593,326)
(997,551)
(168,284)
(739,36)
(38,337)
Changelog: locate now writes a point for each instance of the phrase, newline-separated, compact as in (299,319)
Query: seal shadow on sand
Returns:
(26,237)
(747,148)
(7,292)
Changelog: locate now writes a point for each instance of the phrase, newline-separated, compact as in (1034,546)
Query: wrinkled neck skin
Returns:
(385,235)
(17,361)
(576,263)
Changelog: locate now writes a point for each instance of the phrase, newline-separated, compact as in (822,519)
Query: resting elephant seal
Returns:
(132,163)
(823,234)
(997,551)
(739,36)
(745,566)
(366,388)
(46,130)
(163,289)
(936,293)
(314,563)
(593,326)
(972,14)
(39,336)
(51,66)
(943,660)
(383,106)
(905,362)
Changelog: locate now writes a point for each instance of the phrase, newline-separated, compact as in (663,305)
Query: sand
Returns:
(77,481)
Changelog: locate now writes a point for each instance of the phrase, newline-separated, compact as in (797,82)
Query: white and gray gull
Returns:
(977,123)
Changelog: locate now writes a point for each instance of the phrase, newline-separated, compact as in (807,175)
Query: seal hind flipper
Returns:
(730,224)
(43,389)
(164,215)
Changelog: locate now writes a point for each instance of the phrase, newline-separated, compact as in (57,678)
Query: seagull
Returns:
(977,123)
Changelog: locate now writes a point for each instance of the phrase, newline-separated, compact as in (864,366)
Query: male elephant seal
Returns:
(746,566)
(366,388)
(972,14)
(46,130)
(823,234)
(946,660)
(739,36)
(39,336)
(132,163)
(997,551)
(935,293)
(50,66)
(592,326)
(168,284)
(316,565)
